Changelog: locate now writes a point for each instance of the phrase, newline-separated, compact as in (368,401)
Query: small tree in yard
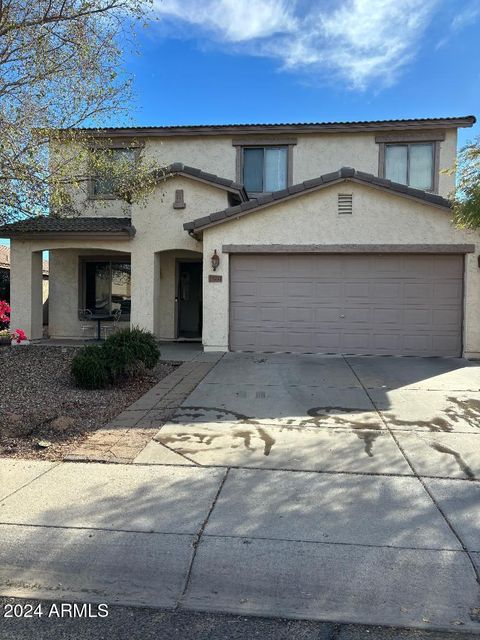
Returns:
(466,202)
(58,72)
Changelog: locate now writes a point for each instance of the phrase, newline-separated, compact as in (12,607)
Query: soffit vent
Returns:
(345,203)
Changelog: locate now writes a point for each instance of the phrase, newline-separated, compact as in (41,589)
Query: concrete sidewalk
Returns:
(345,548)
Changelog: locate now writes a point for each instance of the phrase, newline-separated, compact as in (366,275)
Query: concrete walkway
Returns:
(340,489)
(124,437)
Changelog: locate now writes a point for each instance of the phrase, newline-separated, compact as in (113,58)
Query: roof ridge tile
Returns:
(344,173)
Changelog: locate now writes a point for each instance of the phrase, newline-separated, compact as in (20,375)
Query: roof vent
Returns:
(345,203)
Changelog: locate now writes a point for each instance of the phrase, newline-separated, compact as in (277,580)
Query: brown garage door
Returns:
(397,304)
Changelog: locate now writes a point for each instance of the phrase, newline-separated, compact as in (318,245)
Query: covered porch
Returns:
(102,271)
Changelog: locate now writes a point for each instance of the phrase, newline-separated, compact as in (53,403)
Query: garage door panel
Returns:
(357,289)
(358,315)
(419,290)
(323,291)
(413,265)
(443,341)
(326,314)
(365,304)
(270,290)
(383,265)
(299,341)
(386,342)
(300,314)
(447,318)
(246,314)
(448,267)
(328,342)
(240,290)
(385,316)
(420,342)
(417,318)
(333,268)
(450,290)
(272,314)
(387,290)
(299,289)
(296,266)
(354,342)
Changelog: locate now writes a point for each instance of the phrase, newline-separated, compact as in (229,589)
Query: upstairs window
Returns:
(410,164)
(103,184)
(265,169)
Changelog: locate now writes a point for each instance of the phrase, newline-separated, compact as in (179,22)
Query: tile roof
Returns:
(5,259)
(178,168)
(50,224)
(342,175)
(404,123)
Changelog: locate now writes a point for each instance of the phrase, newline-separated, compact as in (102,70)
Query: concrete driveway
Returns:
(328,488)
(381,415)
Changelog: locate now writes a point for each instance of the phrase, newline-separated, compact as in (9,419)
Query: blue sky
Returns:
(226,61)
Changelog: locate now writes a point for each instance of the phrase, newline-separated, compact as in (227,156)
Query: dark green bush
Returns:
(129,350)
(89,368)
(125,352)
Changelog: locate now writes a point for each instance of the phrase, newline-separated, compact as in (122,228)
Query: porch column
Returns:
(471,326)
(145,290)
(216,296)
(26,289)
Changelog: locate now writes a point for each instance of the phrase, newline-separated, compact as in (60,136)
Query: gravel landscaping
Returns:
(40,403)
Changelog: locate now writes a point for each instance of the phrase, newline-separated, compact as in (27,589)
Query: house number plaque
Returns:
(214,278)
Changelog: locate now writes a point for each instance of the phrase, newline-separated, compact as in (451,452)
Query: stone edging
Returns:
(122,439)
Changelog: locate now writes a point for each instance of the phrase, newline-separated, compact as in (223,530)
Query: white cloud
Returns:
(466,17)
(232,20)
(362,41)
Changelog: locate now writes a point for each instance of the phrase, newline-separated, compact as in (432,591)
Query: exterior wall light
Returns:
(215,259)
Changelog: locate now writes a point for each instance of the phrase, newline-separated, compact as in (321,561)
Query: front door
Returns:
(189,298)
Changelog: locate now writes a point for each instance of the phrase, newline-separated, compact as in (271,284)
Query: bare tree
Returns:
(59,70)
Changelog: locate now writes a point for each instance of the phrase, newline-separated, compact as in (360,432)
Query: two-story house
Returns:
(324,237)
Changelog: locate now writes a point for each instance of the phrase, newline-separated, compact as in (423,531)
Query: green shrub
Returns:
(89,368)
(124,353)
(129,350)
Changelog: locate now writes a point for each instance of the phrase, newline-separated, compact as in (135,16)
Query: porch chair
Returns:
(86,318)
(111,327)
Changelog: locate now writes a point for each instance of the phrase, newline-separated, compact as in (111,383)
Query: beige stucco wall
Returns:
(378,218)
(159,241)
(159,228)
(313,155)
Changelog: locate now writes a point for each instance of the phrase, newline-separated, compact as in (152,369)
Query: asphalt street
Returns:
(129,623)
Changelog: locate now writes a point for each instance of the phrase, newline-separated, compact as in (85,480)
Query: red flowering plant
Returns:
(18,336)
(4,314)
(4,320)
